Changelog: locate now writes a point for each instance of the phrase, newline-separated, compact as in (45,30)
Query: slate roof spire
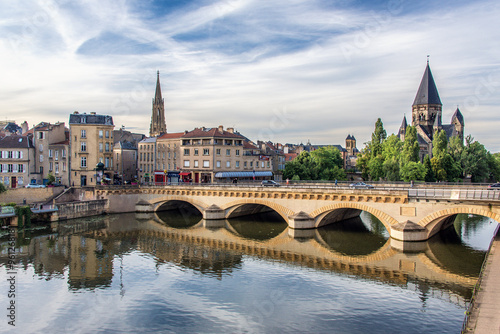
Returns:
(427,92)
(158,89)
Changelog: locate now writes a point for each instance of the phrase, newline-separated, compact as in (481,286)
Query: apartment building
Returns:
(91,138)
(17,160)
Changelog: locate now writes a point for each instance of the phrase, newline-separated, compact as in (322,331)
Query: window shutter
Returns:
(20,154)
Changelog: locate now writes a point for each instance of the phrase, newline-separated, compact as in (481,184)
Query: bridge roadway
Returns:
(409,214)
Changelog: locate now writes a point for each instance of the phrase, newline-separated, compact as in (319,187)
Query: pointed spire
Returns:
(158,89)
(458,116)
(427,92)
(404,124)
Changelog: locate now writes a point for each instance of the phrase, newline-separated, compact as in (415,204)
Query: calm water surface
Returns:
(175,273)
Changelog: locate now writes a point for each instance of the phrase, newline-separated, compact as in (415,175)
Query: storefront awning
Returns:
(184,174)
(243,174)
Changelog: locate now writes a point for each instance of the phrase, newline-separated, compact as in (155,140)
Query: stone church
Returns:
(427,116)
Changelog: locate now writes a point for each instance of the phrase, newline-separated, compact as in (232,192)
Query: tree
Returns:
(376,167)
(475,160)
(411,148)
(51,179)
(2,188)
(391,169)
(412,171)
(378,137)
(429,174)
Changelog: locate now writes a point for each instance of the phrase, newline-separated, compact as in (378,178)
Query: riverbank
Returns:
(484,312)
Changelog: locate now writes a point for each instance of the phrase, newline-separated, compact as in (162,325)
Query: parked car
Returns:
(361,185)
(494,186)
(33,185)
(270,183)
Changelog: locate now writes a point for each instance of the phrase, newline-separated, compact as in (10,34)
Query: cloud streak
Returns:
(335,68)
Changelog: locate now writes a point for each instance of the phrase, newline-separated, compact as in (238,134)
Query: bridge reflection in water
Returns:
(360,247)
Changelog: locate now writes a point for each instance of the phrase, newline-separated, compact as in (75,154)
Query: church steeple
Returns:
(158,125)
(427,106)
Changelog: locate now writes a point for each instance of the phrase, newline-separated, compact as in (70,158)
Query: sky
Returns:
(287,71)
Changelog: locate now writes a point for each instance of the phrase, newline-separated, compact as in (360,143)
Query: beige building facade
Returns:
(91,138)
(17,161)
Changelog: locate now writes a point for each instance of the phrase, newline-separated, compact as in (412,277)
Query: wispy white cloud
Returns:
(287,71)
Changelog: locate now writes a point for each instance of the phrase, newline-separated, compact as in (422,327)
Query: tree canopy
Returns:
(325,163)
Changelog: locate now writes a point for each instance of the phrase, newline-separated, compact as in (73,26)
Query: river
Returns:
(173,272)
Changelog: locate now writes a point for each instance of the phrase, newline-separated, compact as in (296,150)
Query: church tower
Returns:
(427,107)
(158,125)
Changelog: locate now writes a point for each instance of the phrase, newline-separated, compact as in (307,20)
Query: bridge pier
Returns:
(408,231)
(213,212)
(301,220)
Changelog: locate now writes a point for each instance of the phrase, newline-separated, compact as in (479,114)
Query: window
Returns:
(40,148)
(20,168)
(206,151)
(245,164)
(196,164)
(186,151)
(9,155)
(206,163)
(50,166)
(268,164)
(106,162)
(175,155)
(251,163)
(228,164)
(63,153)
(262,164)
(195,151)
(83,146)
(20,180)
(57,154)
(41,169)
(169,154)
(10,168)
(50,153)
(40,135)
(100,133)
(237,153)
(186,163)
(107,147)
(57,168)
(41,158)
(64,166)
(107,134)
(218,164)
(100,147)
(228,152)
(84,133)
(217,151)
(83,162)
(237,164)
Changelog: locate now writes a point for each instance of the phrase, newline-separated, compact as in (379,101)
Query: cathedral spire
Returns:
(158,125)
(427,91)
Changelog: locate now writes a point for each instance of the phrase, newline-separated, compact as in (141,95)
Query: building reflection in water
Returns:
(87,249)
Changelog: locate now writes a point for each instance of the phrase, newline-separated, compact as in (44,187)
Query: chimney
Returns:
(230,130)
(75,113)
(221,129)
(92,113)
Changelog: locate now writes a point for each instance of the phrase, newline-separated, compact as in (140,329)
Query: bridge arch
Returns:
(283,211)
(434,222)
(158,202)
(322,212)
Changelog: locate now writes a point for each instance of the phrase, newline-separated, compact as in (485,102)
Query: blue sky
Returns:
(286,71)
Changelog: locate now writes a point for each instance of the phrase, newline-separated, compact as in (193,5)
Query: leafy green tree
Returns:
(391,169)
(376,167)
(362,163)
(475,160)
(2,188)
(411,148)
(325,163)
(378,137)
(494,166)
(439,143)
(429,173)
(391,147)
(51,178)
(412,171)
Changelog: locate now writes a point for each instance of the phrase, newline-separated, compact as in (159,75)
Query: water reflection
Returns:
(179,256)
(356,236)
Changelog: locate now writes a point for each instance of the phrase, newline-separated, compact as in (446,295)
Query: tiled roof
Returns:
(90,119)
(171,135)
(15,142)
(212,133)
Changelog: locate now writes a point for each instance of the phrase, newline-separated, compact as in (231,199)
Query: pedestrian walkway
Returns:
(484,315)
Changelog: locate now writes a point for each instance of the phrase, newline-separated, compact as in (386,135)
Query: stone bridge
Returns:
(407,214)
